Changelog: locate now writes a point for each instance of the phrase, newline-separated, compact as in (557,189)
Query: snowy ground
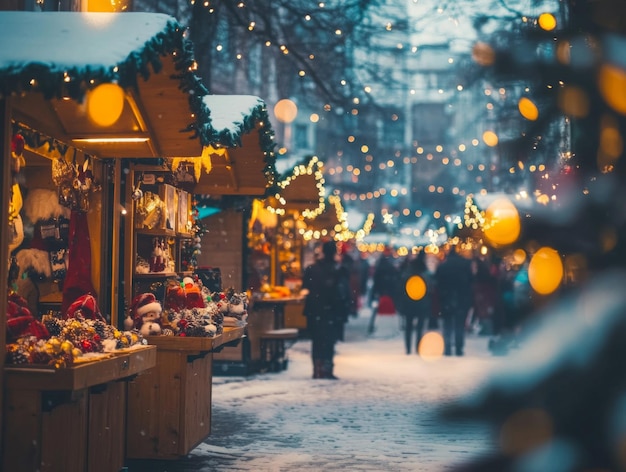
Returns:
(380,416)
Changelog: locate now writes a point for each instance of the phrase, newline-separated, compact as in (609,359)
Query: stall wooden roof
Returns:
(241,124)
(49,61)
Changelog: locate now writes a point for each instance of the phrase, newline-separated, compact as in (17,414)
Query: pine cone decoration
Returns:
(53,325)
(15,355)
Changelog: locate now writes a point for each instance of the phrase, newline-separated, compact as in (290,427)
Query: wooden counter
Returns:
(70,419)
(169,408)
(264,315)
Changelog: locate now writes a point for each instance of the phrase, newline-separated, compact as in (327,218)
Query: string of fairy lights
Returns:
(451,156)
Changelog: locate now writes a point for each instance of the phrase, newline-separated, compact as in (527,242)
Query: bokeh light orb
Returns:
(431,346)
(502,223)
(573,101)
(105,104)
(519,256)
(490,138)
(415,287)
(483,54)
(528,109)
(612,83)
(285,110)
(547,21)
(545,270)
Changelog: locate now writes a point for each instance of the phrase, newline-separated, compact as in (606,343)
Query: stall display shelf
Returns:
(72,418)
(169,408)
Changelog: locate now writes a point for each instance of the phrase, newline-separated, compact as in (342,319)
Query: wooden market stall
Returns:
(88,91)
(274,268)
(238,162)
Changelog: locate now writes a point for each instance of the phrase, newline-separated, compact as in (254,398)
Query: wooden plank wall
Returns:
(222,247)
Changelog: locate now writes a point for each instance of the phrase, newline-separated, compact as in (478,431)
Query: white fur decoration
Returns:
(43,204)
(18,227)
(150,328)
(37,259)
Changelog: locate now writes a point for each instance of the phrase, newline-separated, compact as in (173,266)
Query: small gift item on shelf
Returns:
(149,211)
(193,294)
(158,260)
(142,266)
(236,308)
(144,315)
(63,175)
(175,297)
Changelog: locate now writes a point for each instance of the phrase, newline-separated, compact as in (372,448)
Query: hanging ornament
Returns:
(17,150)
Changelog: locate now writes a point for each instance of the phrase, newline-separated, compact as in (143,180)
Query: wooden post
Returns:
(5,187)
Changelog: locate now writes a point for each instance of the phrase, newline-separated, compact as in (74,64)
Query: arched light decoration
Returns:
(105,104)
(315,168)
(341,230)
(199,163)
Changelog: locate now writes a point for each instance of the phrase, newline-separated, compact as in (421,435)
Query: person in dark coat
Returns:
(326,308)
(411,308)
(454,279)
(385,281)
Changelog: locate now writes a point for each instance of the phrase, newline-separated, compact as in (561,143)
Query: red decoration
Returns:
(17,144)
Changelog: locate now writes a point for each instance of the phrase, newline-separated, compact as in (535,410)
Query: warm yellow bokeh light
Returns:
(285,110)
(415,287)
(525,430)
(108,6)
(519,256)
(573,101)
(502,224)
(612,85)
(105,104)
(563,52)
(547,21)
(431,346)
(545,271)
(528,109)
(490,138)
(483,54)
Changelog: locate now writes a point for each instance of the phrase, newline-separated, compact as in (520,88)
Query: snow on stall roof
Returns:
(228,112)
(62,40)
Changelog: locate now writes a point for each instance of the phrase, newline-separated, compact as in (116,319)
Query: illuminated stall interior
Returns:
(299,197)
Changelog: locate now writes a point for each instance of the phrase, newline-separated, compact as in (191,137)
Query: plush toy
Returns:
(84,307)
(193,294)
(175,298)
(20,321)
(144,315)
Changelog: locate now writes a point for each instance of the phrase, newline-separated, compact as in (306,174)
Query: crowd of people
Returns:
(448,291)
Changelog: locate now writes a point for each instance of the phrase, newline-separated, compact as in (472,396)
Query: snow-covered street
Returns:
(380,416)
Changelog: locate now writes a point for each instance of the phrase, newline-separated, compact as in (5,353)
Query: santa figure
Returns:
(144,315)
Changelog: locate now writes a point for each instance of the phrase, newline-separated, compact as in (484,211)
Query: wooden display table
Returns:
(255,353)
(70,419)
(294,316)
(169,408)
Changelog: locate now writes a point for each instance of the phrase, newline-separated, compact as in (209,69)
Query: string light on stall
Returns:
(314,167)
